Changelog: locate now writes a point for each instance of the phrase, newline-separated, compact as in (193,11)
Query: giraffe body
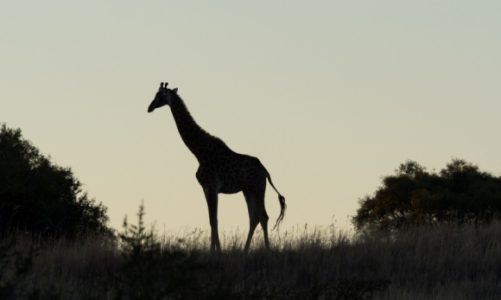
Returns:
(232,173)
(221,170)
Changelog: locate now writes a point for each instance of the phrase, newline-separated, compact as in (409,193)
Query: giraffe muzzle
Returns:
(151,108)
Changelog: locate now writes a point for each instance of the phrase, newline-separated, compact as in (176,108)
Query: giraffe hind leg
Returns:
(252,226)
(263,219)
(257,215)
(253,218)
(264,225)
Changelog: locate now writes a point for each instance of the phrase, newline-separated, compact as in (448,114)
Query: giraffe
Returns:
(221,170)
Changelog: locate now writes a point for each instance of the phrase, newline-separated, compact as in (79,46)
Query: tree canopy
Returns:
(40,197)
(458,193)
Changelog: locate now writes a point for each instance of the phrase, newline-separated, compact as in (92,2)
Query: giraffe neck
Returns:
(193,136)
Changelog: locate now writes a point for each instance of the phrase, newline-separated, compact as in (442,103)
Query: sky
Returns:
(330,95)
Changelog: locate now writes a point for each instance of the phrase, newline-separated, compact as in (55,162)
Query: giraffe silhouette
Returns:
(221,170)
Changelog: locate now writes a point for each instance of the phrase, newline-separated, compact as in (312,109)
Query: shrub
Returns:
(459,193)
(40,197)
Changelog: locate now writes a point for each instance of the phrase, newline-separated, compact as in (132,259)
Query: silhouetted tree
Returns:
(457,194)
(40,197)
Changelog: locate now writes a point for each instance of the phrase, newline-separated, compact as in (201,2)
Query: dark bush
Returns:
(39,197)
(459,193)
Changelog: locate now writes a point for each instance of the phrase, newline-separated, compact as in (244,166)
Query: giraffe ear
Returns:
(174,90)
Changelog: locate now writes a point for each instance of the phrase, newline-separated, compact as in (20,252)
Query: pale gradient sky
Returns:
(330,95)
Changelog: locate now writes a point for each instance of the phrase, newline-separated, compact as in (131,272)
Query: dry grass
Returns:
(446,262)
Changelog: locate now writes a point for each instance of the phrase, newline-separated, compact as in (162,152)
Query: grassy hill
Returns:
(446,262)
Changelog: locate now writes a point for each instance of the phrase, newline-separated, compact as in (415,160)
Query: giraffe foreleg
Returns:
(212,200)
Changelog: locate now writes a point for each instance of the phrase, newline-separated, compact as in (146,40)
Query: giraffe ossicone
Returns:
(221,170)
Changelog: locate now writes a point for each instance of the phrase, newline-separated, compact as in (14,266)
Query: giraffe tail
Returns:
(281,199)
(283,208)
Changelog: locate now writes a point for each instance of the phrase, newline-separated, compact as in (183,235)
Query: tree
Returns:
(459,193)
(40,197)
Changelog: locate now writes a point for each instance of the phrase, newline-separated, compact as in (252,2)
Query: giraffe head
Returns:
(163,97)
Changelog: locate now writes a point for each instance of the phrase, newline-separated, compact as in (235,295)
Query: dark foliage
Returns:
(459,193)
(15,265)
(37,196)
